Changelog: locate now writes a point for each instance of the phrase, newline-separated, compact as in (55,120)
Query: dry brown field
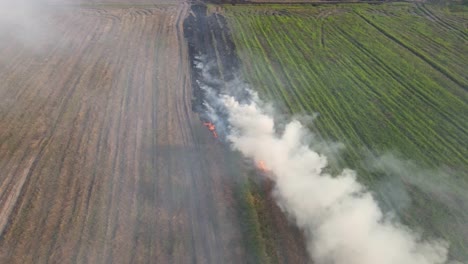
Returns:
(99,152)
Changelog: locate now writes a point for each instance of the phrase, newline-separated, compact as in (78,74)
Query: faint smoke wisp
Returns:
(27,21)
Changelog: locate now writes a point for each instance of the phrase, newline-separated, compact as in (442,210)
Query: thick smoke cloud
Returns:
(342,221)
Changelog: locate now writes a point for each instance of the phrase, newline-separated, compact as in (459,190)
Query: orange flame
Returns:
(211,127)
(262,166)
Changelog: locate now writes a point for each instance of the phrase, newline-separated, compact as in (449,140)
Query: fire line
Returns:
(212,128)
(262,166)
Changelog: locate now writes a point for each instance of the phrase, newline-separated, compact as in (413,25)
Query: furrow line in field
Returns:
(440,21)
(421,115)
(317,88)
(267,70)
(417,54)
(394,104)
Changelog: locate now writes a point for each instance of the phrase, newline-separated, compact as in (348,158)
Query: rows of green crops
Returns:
(383,78)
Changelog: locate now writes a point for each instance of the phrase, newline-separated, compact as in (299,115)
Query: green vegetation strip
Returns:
(383,78)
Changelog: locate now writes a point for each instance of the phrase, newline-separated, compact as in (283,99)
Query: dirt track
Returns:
(101,158)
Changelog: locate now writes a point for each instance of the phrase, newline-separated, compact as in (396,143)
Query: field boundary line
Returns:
(439,20)
(433,64)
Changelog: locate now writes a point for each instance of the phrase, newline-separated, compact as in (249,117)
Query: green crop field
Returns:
(388,78)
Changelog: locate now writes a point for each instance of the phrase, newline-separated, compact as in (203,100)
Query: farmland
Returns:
(387,78)
(104,156)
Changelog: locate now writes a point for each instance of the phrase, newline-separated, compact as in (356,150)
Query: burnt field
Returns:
(270,237)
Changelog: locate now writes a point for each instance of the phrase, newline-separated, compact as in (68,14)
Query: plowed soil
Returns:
(101,158)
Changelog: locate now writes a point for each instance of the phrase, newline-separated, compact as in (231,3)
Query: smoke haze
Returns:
(442,184)
(28,22)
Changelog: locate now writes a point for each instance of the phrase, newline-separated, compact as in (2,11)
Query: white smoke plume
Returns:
(343,223)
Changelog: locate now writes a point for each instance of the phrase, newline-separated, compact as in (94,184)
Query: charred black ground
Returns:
(215,66)
(215,70)
(209,39)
